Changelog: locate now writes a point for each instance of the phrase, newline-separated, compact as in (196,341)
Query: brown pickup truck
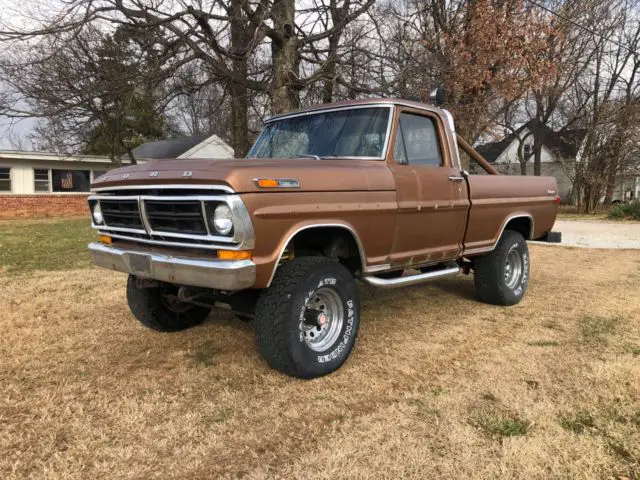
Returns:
(370,190)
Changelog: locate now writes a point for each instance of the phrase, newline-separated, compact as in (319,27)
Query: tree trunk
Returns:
(611,183)
(330,69)
(239,92)
(285,58)
(538,139)
(331,66)
(132,158)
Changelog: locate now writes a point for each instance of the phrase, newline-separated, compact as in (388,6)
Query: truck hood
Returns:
(313,175)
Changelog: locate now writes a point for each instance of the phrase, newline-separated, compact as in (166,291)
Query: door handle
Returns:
(454,178)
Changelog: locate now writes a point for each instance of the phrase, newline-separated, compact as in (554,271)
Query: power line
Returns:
(582,27)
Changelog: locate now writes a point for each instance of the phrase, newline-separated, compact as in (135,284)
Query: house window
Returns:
(527,149)
(41,180)
(70,180)
(5,179)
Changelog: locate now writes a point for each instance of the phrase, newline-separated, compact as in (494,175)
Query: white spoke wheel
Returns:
(513,267)
(324,317)
(307,320)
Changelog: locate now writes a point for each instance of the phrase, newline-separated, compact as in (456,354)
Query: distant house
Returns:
(208,146)
(559,154)
(45,184)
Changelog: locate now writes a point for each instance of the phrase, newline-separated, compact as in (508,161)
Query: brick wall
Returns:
(42,206)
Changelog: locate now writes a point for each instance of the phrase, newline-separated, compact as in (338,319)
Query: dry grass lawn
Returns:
(438,386)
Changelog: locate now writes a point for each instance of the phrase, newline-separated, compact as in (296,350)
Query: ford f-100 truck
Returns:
(369,190)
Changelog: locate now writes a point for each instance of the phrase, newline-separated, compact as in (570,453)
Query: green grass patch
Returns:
(578,422)
(205,354)
(619,449)
(595,328)
(423,409)
(44,244)
(497,424)
(437,391)
(219,415)
(633,350)
(543,343)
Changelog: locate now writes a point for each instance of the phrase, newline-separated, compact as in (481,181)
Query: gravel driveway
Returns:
(596,234)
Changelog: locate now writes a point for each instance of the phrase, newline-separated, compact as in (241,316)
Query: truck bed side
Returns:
(498,200)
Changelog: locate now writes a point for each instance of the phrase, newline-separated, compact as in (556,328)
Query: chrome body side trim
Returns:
(207,273)
(378,268)
(348,228)
(475,251)
(410,279)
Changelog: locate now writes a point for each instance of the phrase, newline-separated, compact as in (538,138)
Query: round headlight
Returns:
(97,214)
(222,219)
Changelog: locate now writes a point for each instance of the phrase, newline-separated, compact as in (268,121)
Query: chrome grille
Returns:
(171,217)
(175,217)
(121,213)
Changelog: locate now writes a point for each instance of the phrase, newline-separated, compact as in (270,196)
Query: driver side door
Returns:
(431,192)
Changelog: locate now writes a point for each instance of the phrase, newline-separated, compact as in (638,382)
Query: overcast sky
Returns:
(16,13)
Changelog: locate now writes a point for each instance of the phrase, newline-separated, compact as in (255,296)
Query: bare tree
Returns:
(608,94)
(248,45)
(96,92)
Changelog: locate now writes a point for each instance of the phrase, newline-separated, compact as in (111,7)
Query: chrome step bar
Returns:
(410,279)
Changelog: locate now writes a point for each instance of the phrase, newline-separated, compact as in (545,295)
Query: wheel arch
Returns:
(331,230)
(522,223)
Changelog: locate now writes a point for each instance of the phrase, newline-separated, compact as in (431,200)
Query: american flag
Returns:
(67,181)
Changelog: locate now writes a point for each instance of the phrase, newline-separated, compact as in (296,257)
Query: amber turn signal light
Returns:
(105,239)
(267,183)
(276,182)
(235,254)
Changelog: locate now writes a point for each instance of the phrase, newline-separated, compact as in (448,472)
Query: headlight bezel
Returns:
(214,208)
(96,209)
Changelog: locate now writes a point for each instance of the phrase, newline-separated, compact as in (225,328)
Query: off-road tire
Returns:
(148,307)
(490,271)
(281,309)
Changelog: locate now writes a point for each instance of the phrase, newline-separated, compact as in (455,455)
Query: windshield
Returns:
(359,132)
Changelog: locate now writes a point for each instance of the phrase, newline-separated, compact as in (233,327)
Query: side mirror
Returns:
(438,96)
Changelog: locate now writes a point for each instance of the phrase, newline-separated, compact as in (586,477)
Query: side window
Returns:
(420,140)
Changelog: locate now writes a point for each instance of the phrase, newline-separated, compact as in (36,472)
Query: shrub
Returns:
(629,210)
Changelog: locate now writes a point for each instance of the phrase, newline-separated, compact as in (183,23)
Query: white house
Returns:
(560,152)
(28,173)
(208,146)
(50,184)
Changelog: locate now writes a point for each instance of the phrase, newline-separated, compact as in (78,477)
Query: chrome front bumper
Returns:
(208,273)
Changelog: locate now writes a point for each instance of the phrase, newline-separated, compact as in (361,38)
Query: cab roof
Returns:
(361,102)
